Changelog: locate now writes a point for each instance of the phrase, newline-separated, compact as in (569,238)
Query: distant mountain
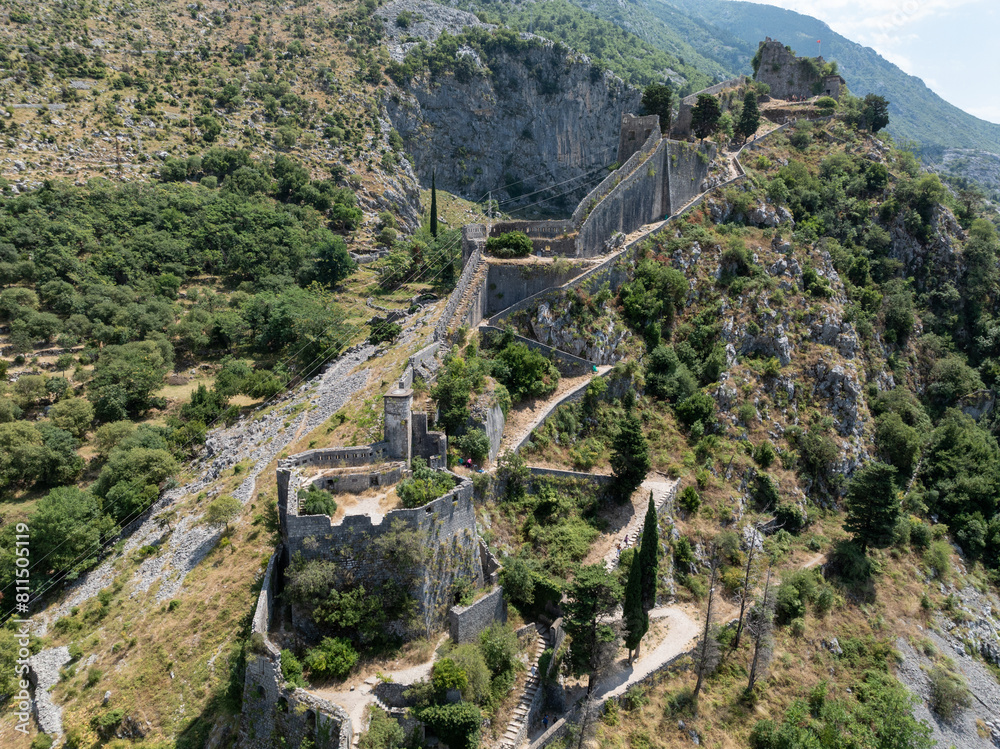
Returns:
(916,112)
(711,40)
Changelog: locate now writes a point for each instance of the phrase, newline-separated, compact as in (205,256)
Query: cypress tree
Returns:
(635,616)
(648,556)
(750,118)
(434,207)
(630,456)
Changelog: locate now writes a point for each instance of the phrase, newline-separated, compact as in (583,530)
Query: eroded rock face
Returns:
(602,342)
(45,670)
(541,118)
(936,262)
(406,22)
(828,329)
(765,338)
(840,386)
(761,214)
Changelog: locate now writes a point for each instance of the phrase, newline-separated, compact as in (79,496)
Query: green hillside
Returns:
(608,35)
(719,37)
(917,113)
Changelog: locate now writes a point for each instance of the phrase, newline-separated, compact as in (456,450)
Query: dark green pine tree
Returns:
(872,505)
(705,116)
(649,556)
(750,118)
(630,456)
(635,617)
(434,207)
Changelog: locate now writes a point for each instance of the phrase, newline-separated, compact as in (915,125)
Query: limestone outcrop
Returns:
(524,120)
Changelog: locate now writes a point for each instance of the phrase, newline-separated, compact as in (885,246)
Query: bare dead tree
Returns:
(747,585)
(760,624)
(707,653)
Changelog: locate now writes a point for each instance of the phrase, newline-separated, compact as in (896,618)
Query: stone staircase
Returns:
(517,729)
(478,276)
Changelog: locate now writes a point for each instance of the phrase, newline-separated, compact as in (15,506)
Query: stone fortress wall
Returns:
(271,707)
(507,283)
(447,526)
(656,180)
(659,180)
(633,133)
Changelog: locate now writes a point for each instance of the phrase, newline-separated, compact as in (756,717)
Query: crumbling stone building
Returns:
(790,76)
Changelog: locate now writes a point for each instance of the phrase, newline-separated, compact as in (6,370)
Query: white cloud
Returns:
(865,20)
(989,112)
(940,41)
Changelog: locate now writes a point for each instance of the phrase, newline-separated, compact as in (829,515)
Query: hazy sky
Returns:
(951,44)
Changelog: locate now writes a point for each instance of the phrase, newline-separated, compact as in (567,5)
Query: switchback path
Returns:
(521,422)
(663,492)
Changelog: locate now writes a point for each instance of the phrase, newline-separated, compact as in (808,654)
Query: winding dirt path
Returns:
(522,421)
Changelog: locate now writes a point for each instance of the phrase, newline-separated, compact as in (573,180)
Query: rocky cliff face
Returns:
(536,119)
(601,341)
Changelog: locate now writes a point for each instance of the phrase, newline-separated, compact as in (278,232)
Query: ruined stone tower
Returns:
(398,436)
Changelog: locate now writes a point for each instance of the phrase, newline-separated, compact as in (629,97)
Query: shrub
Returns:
(747,413)
(826,105)
(690,499)
(765,492)
(518,582)
(732,579)
(291,669)
(524,372)
(796,590)
(383,731)
(764,454)
(817,450)
(938,559)
(106,723)
(315,501)
(763,735)
(474,444)
(949,695)
(333,658)
(499,645)
(469,659)
(696,407)
(849,563)
(802,136)
(457,725)
(790,517)
(383,332)
(683,554)
(447,675)
(825,600)
(586,454)
(424,485)
(510,244)
(920,534)
(73,415)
